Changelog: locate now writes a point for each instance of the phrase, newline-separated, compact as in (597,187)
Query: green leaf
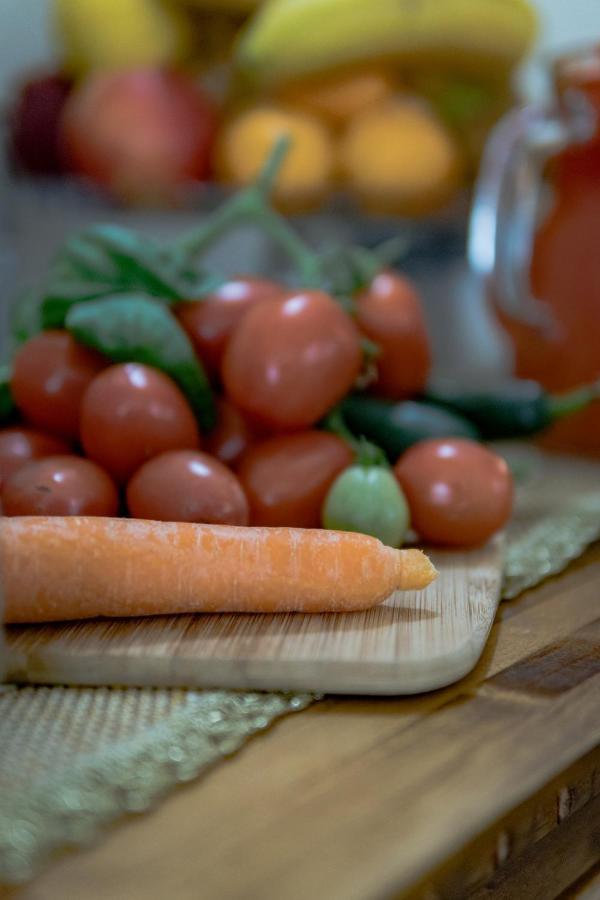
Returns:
(107,260)
(64,289)
(7,404)
(140,263)
(135,261)
(135,328)
(26,320)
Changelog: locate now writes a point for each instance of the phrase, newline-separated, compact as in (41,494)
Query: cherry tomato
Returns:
(390,314)
(210,322)
(231,436)
(287,477)
(289,361)
(60,486)
(367,499)
(18,446)
(50,375)
(131,413)
(458,491)
(187,486)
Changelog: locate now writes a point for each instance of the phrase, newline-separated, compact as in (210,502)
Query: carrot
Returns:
(75,567)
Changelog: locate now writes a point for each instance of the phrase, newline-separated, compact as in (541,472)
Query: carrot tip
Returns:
(415,570)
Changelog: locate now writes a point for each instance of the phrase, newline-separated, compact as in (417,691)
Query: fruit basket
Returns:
(390,106)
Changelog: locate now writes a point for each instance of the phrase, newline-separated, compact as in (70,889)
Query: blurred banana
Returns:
(234,7)
(113,34)
(288,39)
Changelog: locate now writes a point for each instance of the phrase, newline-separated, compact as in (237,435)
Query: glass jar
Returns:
(535,238)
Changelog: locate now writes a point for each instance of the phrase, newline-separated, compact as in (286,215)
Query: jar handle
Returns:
(507,197)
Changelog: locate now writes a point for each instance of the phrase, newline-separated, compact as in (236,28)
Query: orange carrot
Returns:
(77,567)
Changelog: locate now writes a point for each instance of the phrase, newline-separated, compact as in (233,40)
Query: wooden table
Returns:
(488,789)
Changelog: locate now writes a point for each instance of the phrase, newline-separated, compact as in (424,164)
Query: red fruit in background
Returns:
(140,132)
(34,124)
(131,413)
(231,436)
(210,322)
(50,375)
(286,478)
(60,486)
(289,361)
(458,491)
(389,312)
(18,446)
(187,486)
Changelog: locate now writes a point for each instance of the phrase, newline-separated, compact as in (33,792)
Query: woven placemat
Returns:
(74,759)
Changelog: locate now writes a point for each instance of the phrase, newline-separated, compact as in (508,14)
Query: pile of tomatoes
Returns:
(98,438)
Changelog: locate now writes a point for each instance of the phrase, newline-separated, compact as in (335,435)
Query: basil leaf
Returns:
(64,290)
(139,263)
(107,260)
(135,328)
(135,261)
(83,258)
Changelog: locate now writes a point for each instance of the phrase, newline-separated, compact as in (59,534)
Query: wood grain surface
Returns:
(487,788)
(585,888)
(415,641)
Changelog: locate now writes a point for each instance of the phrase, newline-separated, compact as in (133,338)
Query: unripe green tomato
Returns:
(367,499)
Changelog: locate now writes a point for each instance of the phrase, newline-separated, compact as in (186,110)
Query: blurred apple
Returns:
(34,124)
(139,132)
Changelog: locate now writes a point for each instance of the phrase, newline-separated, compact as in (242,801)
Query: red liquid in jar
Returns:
(565,275)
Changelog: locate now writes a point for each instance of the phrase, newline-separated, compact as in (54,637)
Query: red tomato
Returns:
(390,314)
(140,132)
(210,322)
(187,486)
(231,436)
(287,477)
(131,413)
(60,486)
(458,491)
(18,446)
(289,361)
(50,375)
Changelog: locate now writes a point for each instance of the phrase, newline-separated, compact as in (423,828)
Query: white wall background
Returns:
(26,40)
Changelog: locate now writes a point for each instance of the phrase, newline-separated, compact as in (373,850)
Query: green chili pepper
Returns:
(514,409)
(135,328)
(7,405)
(396,426)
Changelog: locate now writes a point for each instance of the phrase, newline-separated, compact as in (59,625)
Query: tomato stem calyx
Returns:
(365,452)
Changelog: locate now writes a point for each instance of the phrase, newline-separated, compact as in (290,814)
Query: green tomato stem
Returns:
(306,262)
(265,182)
(231,214)
(365,453)
(390,251)
(252,206)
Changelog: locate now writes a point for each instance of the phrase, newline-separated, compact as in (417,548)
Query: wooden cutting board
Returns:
(415,641)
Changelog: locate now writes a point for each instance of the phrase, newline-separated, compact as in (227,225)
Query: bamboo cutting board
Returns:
(415,641)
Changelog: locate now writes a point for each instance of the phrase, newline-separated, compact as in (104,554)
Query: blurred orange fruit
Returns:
(399,158)
(341,95)
(247,140)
